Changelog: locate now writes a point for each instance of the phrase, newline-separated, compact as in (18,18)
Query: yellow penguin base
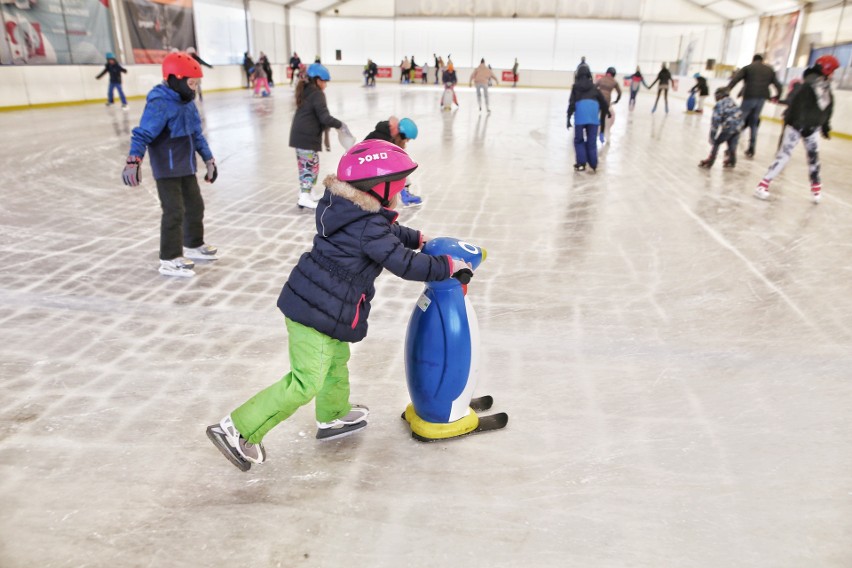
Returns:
(440,431)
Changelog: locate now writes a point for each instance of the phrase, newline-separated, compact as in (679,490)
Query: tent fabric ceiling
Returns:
(724,9)
(739,9)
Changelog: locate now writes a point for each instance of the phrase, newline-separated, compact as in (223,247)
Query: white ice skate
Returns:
(762,190)
(180,267)
(233,446)
(305,200)
(816,195)
(204,252)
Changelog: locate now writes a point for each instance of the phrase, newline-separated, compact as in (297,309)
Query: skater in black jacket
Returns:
(115,70)
(664,77)
(808,115)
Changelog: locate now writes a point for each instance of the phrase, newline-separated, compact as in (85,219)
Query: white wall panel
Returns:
(743,43)
(500,41)
(829,25)
(267,12)
(304,35)
(577,38)
(371,41)
(220,31)
(660,42)
(422,37)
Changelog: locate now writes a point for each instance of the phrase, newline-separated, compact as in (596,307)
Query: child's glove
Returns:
(131,174)
(569,124)
(461,270)
(212,171)
(826,132)
(344,135)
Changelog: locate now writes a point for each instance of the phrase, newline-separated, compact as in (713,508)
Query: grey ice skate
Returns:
(355,420)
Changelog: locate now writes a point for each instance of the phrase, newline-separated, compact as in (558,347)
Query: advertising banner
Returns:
(775,40)
(158,26)
(55,32)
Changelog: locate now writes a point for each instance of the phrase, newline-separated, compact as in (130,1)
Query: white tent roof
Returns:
(698,11)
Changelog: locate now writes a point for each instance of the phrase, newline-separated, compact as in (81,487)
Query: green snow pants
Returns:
(318,369)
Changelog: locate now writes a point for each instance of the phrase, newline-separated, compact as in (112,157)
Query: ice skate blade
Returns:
(182,273)
(335,433)
(481,403)
(472,423)
(187,253)
(486,424)
(217,436)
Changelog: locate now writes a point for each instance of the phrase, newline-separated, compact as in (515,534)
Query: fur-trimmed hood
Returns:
(343,204)
(363,200)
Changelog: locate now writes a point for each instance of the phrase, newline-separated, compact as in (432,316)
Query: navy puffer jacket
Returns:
(331,286)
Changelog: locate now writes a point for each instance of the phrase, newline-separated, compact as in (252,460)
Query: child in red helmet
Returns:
(171,129)
(807,116)
(326,300)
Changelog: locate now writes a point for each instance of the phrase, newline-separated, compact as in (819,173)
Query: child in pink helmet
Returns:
(326,299)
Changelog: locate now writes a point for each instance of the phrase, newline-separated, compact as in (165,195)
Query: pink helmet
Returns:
(372,165)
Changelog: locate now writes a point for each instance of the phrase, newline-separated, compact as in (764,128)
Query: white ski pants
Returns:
(789,139)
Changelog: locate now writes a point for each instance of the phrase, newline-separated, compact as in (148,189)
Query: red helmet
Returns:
(829,64)
(376,167)
(181,65)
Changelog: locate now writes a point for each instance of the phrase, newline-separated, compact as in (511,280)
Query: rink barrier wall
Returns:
(39,86)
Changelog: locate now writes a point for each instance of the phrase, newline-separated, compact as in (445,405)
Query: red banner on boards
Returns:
(384,73)
(507,76)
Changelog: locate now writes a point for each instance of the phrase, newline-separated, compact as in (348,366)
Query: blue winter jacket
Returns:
(171,129)
(331,286)
(587,103)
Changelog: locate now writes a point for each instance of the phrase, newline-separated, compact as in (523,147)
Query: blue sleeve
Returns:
(198,136)
(152,123)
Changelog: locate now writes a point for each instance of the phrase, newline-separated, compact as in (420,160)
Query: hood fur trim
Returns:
(342,189)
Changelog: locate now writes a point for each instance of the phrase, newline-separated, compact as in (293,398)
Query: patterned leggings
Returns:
(308,168)
(789,140)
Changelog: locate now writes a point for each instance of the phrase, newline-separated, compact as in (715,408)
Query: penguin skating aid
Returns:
(441,355)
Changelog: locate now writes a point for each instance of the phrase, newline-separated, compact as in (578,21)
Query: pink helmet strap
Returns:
(385,201)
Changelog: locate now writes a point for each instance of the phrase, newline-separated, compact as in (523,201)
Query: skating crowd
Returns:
(326,299)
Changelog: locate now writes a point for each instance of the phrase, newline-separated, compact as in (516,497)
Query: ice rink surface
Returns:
(675,355)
